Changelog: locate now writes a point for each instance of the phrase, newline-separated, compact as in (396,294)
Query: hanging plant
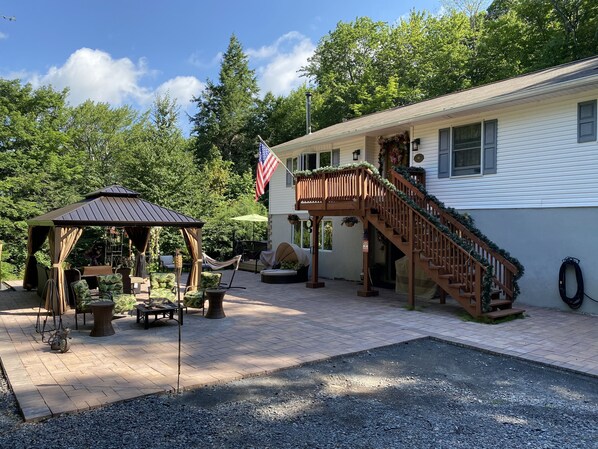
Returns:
(293,218)
(349,221)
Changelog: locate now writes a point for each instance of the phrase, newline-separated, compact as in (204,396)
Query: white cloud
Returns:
(95,75)
(280,62)
(183,89)
(3,35)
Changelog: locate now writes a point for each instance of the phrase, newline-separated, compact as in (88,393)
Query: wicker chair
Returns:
(162,285)
(110,287)
(195,298)
(83,299)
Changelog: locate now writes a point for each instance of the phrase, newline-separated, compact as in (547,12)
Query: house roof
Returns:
(114,206)
(578,75)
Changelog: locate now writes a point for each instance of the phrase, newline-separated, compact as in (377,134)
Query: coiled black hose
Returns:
(575,301)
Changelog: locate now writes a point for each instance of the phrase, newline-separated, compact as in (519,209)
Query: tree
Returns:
(279,119)
(99,132)
(220,125)
(526,35)
(38,172)
(347,69)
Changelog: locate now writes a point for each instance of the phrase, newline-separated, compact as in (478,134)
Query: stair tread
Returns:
(503,313)
(500,302)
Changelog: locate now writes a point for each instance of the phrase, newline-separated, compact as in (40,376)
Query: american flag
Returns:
(266,164)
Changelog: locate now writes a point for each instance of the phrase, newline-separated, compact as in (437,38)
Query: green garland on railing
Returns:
(468,222)
(488,279)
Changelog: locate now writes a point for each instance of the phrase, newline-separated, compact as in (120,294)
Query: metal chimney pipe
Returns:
(307,112)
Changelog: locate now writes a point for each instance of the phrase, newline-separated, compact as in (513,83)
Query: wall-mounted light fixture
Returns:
(356,154)
(415,144)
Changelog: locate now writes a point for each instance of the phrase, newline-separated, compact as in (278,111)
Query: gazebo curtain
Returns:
(36,238)
(192,238)
(140,236)
(62,240)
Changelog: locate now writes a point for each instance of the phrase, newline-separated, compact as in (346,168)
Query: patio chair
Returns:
(194,297)
(162,285)
(71,275)
(110,287)
(83,299)
(167,262)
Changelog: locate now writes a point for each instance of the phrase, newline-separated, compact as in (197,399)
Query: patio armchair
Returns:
(110,287)
(194,297)
(167,262)
(162,285)
(83,299)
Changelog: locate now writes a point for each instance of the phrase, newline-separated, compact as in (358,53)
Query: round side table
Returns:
(102,318)
(215,296)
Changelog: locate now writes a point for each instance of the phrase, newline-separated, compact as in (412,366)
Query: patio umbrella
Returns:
(253,218)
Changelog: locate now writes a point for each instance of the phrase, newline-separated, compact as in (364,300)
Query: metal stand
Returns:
(40,327)
(59,335)
(178,268)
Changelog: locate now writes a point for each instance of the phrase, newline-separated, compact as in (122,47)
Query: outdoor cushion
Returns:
(110,285)
(111,288)
(162,285)
(124,303)
(82,295)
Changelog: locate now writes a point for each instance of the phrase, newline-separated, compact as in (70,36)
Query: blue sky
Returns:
(127,51)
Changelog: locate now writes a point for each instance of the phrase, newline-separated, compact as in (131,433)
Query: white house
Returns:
(519,156)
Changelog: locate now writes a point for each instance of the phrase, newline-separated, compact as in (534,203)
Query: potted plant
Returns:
(349,221)
(293,219)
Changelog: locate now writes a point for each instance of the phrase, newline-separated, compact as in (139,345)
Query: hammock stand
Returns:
(215,265)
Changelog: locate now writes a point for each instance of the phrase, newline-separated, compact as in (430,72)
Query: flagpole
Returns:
(276,156)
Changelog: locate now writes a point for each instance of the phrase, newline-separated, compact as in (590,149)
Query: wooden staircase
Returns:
(462,264)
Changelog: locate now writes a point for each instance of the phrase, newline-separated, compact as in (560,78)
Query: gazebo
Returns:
(111,206)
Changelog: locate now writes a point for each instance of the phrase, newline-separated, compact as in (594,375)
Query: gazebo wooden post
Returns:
(315,238)
(367,287)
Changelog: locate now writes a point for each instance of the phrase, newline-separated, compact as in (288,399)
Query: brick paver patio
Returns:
(268,327)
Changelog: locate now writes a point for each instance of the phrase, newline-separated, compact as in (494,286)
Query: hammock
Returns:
(215,265)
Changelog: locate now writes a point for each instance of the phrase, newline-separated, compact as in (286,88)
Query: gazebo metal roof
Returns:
(114,206)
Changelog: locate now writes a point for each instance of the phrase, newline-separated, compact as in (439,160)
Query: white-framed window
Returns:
(586,121)
(291,164)
(311,161)
(301,234)
(467,149)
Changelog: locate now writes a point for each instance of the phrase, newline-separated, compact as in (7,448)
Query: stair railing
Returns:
(504,271)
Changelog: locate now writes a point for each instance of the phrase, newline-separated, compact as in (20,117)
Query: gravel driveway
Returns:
(422,394)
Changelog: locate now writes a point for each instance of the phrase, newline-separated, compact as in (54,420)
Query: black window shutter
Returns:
(444,149)
(490,135)
(586,121)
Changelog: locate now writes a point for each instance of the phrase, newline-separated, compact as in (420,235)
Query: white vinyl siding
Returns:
(540,164)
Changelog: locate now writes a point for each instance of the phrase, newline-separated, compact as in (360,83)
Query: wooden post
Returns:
(411,262)
(367,287)
(314,283)
(479,279)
